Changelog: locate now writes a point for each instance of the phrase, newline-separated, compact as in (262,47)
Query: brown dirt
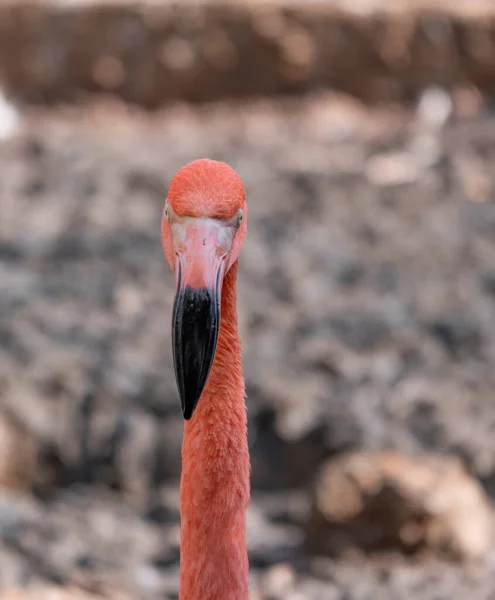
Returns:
(151,53)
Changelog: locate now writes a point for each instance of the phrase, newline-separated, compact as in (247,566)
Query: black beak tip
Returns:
(188,408)
(190,396)
(195,331)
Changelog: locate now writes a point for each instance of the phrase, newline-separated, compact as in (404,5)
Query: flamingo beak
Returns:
(202,247)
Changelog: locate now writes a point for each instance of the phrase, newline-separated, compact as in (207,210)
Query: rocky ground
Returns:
(367,305)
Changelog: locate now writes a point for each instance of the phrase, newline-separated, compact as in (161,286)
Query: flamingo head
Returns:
(203,228)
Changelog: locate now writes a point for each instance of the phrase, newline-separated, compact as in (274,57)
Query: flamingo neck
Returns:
(214,491)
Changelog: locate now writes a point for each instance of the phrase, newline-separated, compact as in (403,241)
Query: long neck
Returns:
(215,474)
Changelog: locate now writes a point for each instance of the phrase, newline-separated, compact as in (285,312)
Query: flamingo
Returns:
(203,228)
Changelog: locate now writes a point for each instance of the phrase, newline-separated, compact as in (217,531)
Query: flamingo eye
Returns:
(166,212)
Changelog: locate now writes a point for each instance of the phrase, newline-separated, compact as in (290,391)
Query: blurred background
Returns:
(364,133)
